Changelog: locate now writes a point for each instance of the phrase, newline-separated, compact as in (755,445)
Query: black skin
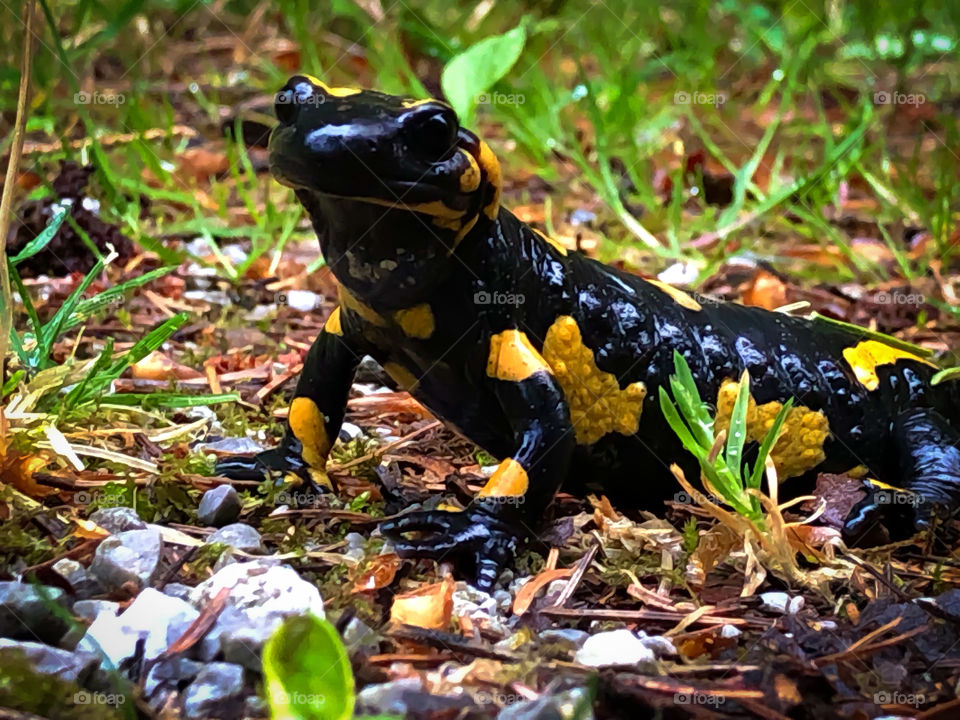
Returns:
(364,165)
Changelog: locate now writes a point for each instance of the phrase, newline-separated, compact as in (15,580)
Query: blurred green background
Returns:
(691,129)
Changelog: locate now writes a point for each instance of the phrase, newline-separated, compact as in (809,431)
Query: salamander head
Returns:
(384,150)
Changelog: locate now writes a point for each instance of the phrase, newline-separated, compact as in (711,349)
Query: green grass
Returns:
(617,68)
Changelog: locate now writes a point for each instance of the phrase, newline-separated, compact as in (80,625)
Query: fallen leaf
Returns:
(380,573)
(527,593)
(429,606)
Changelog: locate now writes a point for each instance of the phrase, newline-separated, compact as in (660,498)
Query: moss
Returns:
(26,691)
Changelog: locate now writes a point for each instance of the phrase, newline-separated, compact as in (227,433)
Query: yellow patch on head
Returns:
(597,404)
(512,357)
(351,303)
(508,480)
(865,357)
(555,244)
(416,322)
(470,179)
(800,447)
(491,166)
(403,377)
(678,295)
(332,325)
(334,91)
(307,425)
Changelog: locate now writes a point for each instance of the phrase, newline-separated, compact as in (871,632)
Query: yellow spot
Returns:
(470,179)
(555,244)
(509,479)
(421,101)
(491,166)
(351,303)
(597,404)
(868,355)
(403,377)
(800,447)
(680,296)
(512,357)
(332,325)
(307,425)
(334,91)
(416,322)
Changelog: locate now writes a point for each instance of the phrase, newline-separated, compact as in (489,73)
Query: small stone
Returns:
(25,612)
(615,647)
(45,660)
(582,217)
(90,609)
(349,431)
(217,692)
(303,300)
(729,632)
(153,617)
(261,595)
(357,635)
(568,635)
(238,535)
(118,519)
(169,673)
(230,446)
(660,645)
(389,698)
(131,556)
(219,506)
(177,590)
(781,602)
(567,705)
(83,583)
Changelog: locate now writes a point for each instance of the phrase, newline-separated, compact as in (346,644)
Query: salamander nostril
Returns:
(286,106)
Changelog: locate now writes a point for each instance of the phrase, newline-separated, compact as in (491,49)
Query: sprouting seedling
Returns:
(720,463)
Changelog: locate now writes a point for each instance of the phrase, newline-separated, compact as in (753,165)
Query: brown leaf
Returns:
(429,606)
(528,592)
(766,291)
(380,574)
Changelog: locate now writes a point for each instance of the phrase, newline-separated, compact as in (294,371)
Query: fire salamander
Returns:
(552,361)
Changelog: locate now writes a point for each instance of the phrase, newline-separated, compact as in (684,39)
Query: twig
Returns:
(9,185)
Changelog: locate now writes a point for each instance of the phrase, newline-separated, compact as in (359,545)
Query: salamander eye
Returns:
(432,133)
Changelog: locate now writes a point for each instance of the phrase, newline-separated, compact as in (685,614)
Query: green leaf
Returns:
(41,240)
(737,433)
(168,400)
(478,68)
(769,440)
(307,672)
(945,375)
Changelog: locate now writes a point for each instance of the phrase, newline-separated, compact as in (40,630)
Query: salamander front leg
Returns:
(316,413)
(483,538)
(929,458)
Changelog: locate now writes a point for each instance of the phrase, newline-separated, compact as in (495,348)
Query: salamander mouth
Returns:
(345,174)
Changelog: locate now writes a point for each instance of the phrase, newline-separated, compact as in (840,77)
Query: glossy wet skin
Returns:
(549,360)
(372,146)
